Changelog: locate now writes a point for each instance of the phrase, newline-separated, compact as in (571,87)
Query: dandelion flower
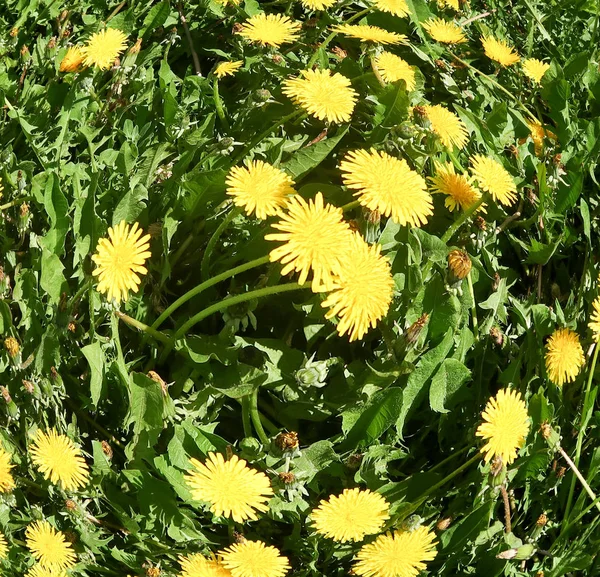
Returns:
(103,47)
(225,2)
(228,68)
(444,31)
(317,4)
(492,177)
(3,547)
(260,188)
(7,483)
(198,565)
(315,237)
(460,193)
(368,33)
(49,546)
(363,290)
(324,95)
(72,60)
(119,259)
(594,324)
(231,487)
(388,185)
(39,571)
(395,7)
(459,264)
(564,356)
(254,559)
(393,68)
(505,426)
(59,460)
(351,515)
(454,4)
(270,29)
(447,125)
(397,554)
(500,51)
(535,69)
(538,134)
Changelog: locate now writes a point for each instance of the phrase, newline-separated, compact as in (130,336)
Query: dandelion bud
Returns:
(353,461)
(70,505)
(226,143)
(411,336)
(287,441)
(63,16)
(340,53)
(277,58)
(459,264)
(496,336)
(443,524)
(4,282)
(25,56)
(24,218)
(155,231)
(261,95)
(405,131)
(287,478)
(5,394)
(153,571)
(497,472)
(70,537)
(12,347)
(14,32)
(158,379)
(480,223)
(107,449)
(542,520)
(21,182)
(551,436)
(51,43)
(28,386)
(136,47)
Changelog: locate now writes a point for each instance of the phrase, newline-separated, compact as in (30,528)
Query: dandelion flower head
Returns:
(228,68)
(447,125)
(453,4)
(270,29)
(39,571)
(564,356)
(395,7)
(59,460)
(393,68)
(388,185)
(325,95)
(72,60)
(594,324)
(3,546)
(499,51)
(351,515)
(254,559)
(535,69)
(231,487)
(538,134)
(7,483)
(444,31)
(492,177)
(367,33)
(396,554)
(103,48)
(505,426)
(260,188)
(198,565)
(317,4)
(460,193)
(49,546)
(120,260)
(315,238)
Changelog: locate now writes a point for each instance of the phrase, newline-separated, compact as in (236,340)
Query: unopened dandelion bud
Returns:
(155,230)
(459,264)
(136,47)
(51,43)
(443,524)
(4,283)
(28,387)
(153,572)
(287,478)
(25,55)
(412,334)
(550,435)
(5,394)
(406,130)
(353,461)
(107,449)
(70,505)
(14,32)
(12,347)
(158,379)
(497,475)
(24,218)
(496,336)
(287,441)
(261,95)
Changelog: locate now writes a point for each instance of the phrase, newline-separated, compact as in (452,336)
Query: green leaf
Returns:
(101,462)
(145,404)
(57,208)
(95,358)
(131,205)
(155,18)
(52,278)
(446,382)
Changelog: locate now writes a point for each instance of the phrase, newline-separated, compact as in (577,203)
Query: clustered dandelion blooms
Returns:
(564,356)
(396,554)
(594,326)
(444,31)
(499,51)
(198,565)
(270,29)
(460,193)
(325,95)
(228,68)
(492,177)
(388,185)
(49,546)
(395,7)
(7,483)
(351,516)
(315,237)
(259,188)
(72,60)
(103,48)
(447,125)
(393,68)
(367,33)
(120,260)
(59,460)
(505,426)
(535,69)
(231,487)
(254,559)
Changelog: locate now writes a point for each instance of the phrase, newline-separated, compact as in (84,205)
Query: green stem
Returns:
(586,414)
(205,266)
(350,205)
(15,202)
(84,415)
(575,521)
(578,474)
(219,104)
(462,219)
(376,71)
(473,308)
(246,416)
(207,284)
(143,327)
(254,415)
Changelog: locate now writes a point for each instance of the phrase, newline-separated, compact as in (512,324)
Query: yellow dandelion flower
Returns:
(535,69)
(254,559)
(459,264)
(492,177)
(7,483)
(324,95)
(397,554)
(103,47)
(197,565)
(260,188)
(564,356)
(49,546)
(270,29)
(538,134)
(444,31)
(368,33)
(351,515)
(395,7)
(460,193)
(499,51)
(363,290)
(39,571)
(393,68)
(72,60)
(594,324)
(231,487)
(60,460)
(120,260)
(454,4)
(3,547)
(317,4)
(225,2)
(315,237)
(388,185)
(228,68)
(505,426)
(447,125)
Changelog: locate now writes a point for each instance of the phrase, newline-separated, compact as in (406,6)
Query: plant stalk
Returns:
(255,416)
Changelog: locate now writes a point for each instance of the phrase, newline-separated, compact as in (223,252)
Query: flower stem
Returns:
(246,416)
(473,307)
(462,219)
(15,202)
(350,205)
(143,327)
(219,105)
(254,415)
(578,474)
(586,414)
(205,266)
